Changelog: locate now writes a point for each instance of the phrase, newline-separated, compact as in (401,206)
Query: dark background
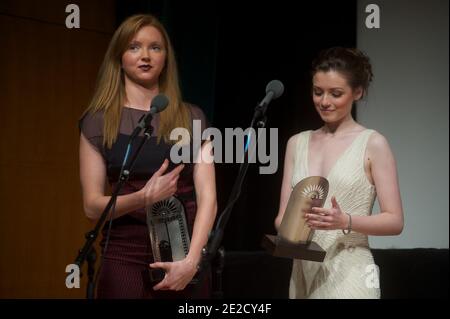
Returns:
(227,52)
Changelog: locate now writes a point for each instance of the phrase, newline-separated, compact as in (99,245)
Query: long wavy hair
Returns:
(109,95)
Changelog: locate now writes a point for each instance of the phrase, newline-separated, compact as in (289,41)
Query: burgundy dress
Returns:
(125,269)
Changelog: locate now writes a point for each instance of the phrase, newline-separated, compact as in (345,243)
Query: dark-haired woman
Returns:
(359,165)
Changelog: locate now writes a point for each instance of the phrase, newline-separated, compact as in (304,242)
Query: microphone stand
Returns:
(215,237)
(88,251)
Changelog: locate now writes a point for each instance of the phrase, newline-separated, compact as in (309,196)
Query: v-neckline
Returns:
(337,160)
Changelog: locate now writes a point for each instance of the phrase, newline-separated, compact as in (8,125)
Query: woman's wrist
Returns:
(193,258)
(193,262)
(347,225)
(145,202)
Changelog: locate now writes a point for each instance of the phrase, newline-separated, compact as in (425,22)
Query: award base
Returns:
(278,247)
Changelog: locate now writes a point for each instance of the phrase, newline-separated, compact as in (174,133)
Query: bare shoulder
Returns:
(292,141)
(291,146)
(378,141)
(294,138)
(378,145)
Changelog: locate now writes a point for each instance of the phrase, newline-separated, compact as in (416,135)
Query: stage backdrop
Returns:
(408,103)
(233,50)
(47,76)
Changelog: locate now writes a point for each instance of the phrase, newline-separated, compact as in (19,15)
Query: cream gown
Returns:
(348,270)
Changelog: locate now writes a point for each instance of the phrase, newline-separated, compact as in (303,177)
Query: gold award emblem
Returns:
(309,192)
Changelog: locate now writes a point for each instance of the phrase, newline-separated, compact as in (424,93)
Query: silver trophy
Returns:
(169,235)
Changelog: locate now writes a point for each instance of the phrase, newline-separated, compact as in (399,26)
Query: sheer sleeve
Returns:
(91,126)
(197,114)
(199,124)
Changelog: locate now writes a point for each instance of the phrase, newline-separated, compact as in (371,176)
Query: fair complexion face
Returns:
(333,97)
(145,57)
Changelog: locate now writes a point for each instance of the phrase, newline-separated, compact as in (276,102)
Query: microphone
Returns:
(159,103)
(274,90)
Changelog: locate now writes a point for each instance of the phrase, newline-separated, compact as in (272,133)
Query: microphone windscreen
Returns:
(159,103)
(276,87)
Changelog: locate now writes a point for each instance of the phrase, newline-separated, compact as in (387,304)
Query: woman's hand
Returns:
(161,186)
(178,274)
(327,218)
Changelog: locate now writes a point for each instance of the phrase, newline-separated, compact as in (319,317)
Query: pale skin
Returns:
(333,98)
(142,63)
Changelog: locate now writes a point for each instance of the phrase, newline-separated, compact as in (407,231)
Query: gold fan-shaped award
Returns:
(294,235)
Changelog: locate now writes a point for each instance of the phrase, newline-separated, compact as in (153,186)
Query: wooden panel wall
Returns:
(47,75)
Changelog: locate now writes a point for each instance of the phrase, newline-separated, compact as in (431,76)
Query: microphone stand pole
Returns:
(216,235)
(88,251)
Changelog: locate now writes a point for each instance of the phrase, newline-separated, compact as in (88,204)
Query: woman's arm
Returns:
(93,181)
(286,187)
(180,273)
(205,188)
(389,221)
(384,173)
